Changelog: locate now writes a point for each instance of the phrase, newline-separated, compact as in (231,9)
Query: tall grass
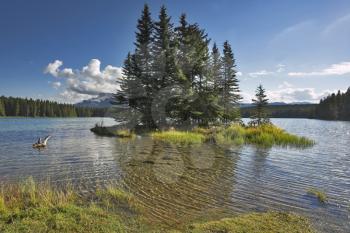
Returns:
(35,208)
(265,135)
(179,137)
(31,207)
(269,135)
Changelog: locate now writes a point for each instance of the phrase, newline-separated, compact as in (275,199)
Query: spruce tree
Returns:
(216,69)
(260,115)
(230,94)
(164,66)
(165,69)
(2,108)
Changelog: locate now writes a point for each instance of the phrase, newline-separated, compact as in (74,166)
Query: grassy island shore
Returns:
(266,135)
(32,207)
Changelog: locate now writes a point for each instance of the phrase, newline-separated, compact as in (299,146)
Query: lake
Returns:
(177,184)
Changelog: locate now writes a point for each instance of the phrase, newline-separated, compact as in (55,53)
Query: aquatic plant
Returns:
(256,223)
(269,135)
(124,133)
(265,135)
(179,137)
(319,194)
(234,134)
(32,207)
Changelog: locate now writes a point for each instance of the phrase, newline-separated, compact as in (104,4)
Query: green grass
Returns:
(266,135)
(269,135)
(256,223)
(319,194)
(35,208)
(31,207)
(179,137)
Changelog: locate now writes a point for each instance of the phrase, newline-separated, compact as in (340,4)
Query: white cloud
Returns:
(239,73)
(342,23)
(53,68)
(290,94)
(87,82)
(279,69)
(285,85)
(56,85)
(260,73)
(335,69)
(296,29)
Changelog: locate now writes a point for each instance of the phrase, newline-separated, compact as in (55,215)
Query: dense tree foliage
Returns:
(334,107)
(10,106)
(260,115)
(172,77)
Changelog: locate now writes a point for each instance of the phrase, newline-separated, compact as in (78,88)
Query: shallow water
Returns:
(178,184)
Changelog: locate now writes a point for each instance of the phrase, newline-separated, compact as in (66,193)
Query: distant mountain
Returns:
(103,100)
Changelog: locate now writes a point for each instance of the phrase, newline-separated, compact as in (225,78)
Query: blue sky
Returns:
(72,50)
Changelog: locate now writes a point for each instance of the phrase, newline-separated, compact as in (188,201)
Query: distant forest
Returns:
(10,106)
(284,111)
(334,107)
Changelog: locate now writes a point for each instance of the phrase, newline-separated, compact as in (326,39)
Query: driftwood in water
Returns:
(40,143)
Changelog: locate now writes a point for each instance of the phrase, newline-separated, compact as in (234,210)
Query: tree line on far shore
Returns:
(334,107)
(10,106)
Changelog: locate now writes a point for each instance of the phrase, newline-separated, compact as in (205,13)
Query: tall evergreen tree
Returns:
(165,69)
(164,66)
(2,108)
(216,69)
(260,116)
(230,95)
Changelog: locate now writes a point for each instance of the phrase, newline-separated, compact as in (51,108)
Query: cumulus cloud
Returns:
(85,83)
(56,85)
(335,69)
(53,68)
(290,94)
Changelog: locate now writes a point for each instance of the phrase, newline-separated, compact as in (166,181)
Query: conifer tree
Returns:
(2,108)
(216,69)
(165,69)
(260,115)
(164,66)
(230,95)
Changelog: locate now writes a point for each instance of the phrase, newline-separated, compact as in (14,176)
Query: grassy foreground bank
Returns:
(31,207)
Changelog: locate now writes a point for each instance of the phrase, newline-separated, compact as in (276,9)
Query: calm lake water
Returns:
(179,184)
